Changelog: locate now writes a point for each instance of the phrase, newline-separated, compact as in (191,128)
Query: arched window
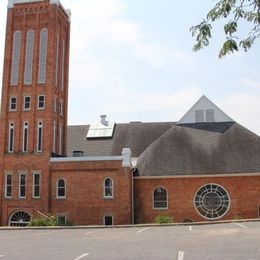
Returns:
(16,58)
(61,188)
(29,58)
(160,200)
(20,219)
(108,188)
(43,56)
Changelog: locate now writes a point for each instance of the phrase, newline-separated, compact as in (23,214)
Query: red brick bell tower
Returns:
(34,104)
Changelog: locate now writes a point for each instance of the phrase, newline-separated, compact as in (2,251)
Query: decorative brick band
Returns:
(86,170)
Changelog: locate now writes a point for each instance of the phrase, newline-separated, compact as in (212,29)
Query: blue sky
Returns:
(133,61)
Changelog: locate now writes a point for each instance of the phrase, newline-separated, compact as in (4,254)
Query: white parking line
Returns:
(190,228)
(93,232)
(2,256)
(180,255)
(81,256)
(142,230)
(240,225)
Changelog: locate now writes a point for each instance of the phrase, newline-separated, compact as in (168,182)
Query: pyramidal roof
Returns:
(204,110)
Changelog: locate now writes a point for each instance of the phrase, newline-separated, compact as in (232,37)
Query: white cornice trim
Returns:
(199,176)
(12,2)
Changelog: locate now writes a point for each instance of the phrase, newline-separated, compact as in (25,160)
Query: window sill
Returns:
(60,198)
(160,209)
(108,198)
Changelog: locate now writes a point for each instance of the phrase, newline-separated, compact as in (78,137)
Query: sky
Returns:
(133,61)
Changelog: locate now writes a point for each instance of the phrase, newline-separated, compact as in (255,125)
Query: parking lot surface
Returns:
(219,241)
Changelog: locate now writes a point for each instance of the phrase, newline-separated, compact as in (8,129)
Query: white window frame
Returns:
(61,107)
(57,60)
(39,138)
(24,103)
(61,139)
(41,108)
(11,129)
(11,103)
(167,202)
(57,189)
(55,104)
(34,185)
(6,185)
(20,185)
(54,137)
(104,189)
(61,216)
(17,37)
(29,57)
(25,137)
(43,49)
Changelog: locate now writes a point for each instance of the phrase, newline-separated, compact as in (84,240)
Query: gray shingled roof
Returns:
(137,136)
(184,150)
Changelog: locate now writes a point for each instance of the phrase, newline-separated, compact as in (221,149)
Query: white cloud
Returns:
(250,83)
(244,108)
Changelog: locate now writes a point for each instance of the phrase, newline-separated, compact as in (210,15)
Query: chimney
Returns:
(103,120)
(126,153)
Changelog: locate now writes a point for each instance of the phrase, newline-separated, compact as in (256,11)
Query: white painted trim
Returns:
(104,188)
(19,195)
(229,200)
(11,3)
(33,188)
(87,159)
(162,187)
(65,187)
(199,176)
(10,174)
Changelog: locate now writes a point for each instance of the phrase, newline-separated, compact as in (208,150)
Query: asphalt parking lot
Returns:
(218,241)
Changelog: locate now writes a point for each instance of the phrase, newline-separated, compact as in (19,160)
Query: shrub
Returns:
(163,219)
(42,222)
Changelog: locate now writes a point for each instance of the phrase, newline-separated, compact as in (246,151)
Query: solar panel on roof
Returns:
(101,131)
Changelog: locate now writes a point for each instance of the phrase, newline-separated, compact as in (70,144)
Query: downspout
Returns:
(126,163)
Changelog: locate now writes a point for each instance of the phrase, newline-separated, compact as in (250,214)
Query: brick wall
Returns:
(84,203)
(244,193)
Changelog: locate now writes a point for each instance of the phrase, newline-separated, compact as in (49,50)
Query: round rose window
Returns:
(212,201)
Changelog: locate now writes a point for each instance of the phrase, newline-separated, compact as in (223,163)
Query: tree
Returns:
(233,12)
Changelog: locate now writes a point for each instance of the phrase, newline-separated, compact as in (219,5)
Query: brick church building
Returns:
(204,167)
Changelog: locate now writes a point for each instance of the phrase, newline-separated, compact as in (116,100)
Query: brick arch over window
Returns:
(160,198)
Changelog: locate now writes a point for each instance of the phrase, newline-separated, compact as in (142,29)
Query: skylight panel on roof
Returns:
(101,131)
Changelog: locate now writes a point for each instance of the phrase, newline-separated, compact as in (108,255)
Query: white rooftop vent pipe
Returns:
(103,120)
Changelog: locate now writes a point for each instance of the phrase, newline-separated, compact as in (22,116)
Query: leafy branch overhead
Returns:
(234,11)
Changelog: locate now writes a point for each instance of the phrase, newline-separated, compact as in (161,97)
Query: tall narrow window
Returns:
(22,185)
(11,138)
(43,56)
(61,108)
(61,188)
(25,137)
(160,200)
(55,104)
(108,188)
(13,104)
(27,103)
(36,185)
(16,58)
(57,60)
(54,137)
(199,116)
(41,102)
(210,115)
(29,58)
(8,185)
(61,135)
(62,65)
(39,136)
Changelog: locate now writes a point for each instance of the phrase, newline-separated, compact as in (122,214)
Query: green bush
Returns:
(163,219)
(42,222)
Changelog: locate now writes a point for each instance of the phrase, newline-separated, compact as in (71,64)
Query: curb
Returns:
(132,226)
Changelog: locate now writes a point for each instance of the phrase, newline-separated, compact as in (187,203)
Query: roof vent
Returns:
(103,120)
